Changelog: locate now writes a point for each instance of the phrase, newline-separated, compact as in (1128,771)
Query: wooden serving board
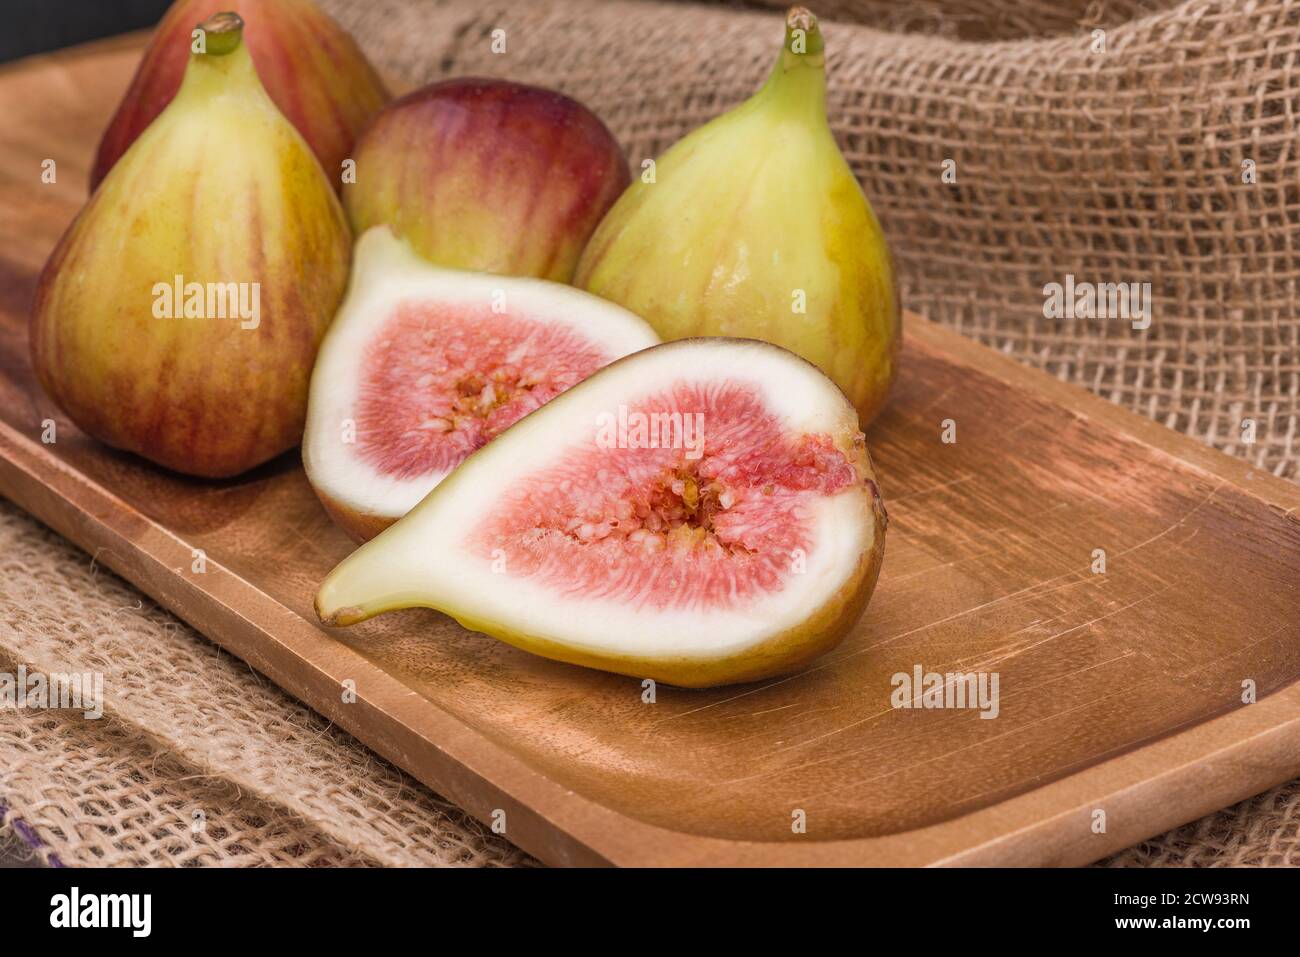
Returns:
(1119,692)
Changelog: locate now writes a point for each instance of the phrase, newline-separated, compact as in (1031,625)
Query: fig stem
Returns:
(802,35)
(222,33)
(799,76)
(222,63)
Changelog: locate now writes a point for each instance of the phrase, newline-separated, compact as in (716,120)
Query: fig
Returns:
(754,226)
(423,365)
(702,512)
(180,314)
(311,68)
(488,175)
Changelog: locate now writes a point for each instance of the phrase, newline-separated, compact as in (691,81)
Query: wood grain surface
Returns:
(1119,691)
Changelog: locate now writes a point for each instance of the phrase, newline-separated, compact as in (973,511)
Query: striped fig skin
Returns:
(488,175)
(219,189)
(311,68)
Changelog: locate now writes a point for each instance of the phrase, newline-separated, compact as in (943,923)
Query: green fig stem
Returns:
(799,76)
(224,64)
(802,35)
(222,33)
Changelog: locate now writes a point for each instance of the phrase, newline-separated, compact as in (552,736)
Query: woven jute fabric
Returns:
(1114,165)
(976,20)
(197,759)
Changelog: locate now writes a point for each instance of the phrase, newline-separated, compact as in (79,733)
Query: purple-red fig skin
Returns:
(488,175)
(312,69)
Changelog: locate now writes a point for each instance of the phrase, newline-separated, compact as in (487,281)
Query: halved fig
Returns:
(423,365)
(701,513)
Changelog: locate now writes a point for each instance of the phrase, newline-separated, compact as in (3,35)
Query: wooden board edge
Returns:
(131,42)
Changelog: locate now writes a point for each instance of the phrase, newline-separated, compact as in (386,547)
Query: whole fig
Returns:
(754,226)
(180,314)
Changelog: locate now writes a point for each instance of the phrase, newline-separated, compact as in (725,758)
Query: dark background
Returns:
(35,26)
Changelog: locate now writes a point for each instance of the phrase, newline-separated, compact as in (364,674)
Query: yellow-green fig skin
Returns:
(220,188)
(751,218)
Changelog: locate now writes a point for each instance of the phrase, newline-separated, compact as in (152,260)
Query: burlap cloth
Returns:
(1115,165)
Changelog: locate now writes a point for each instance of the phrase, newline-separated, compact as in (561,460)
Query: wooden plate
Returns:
(1120,710)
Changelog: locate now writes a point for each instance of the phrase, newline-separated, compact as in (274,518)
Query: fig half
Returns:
(700,513)
(423,365)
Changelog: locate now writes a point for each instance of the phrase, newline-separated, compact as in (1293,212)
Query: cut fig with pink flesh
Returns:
(423,365)
(700,513)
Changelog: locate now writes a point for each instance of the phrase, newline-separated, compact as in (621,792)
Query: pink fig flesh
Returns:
(424,365)
(658,528)
(444,378)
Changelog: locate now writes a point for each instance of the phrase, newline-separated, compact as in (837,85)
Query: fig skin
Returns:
(746,213)
(311,68)
(220,188)
(488,175)
(360,526)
